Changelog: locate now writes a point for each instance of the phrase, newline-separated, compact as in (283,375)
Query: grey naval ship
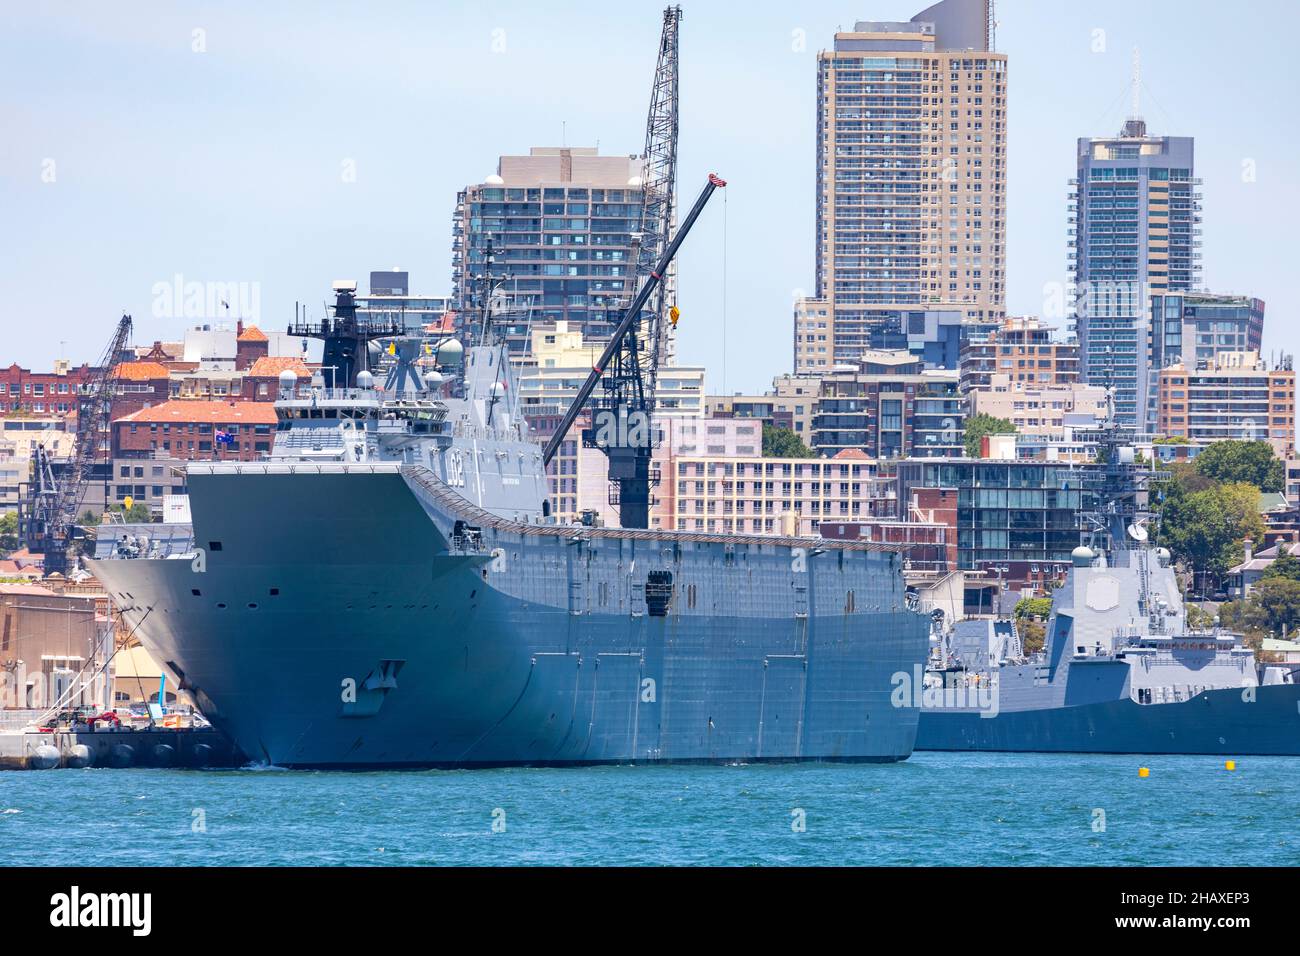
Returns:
(1121,670)
(388,588)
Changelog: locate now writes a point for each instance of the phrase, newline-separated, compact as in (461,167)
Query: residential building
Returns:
(1235,395)
(1135,221)
(1037,409)
(889,406)
(19,440)
(236,430)
(1022,348)
(1197,327)
(42,393)
(750,494)
(390,300)
(1021,516)
(910,179)
(560,221)
(559,358)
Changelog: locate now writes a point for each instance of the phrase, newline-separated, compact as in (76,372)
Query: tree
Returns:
(1273,605)
(977,426)
(1033,607)
(9,531)
(1204,529)
(89,519)
(1253,462)
(136,514)
(1033,636)
(783,443)
(1286,565)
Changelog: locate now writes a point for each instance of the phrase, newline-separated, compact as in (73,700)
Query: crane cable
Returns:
(724,293)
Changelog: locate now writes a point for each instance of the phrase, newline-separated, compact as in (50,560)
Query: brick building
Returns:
(42,393)
(140,385)
(205,431)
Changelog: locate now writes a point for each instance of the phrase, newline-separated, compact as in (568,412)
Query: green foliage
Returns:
(1253,462)
(1205,528)
(977,426)
(1172,440)
(783,443)
(89,519)
(1285,566)
(1199,619)
(1033,636)
(136,514)
(1274,604)
(9,531)
(1033,607)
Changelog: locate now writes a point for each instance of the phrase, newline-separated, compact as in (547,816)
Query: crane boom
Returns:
(57,509)
(659,193)
(629,320)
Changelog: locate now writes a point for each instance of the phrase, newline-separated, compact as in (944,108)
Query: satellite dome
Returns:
(288,378)
(433,378)
(497,390)
(1082,556)
(451,352)
(635,182)
(494,180)
(365,379)
(1163,556)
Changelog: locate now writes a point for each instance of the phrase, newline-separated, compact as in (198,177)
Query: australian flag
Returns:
(224,437)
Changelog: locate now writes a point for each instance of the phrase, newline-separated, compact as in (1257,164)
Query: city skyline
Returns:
(253,187)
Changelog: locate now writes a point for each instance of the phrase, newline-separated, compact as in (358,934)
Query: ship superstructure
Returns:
(388,588)
(1121,671)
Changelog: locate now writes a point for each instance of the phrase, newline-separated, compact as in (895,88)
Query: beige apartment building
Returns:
(1024,349)
(559,359)
(1236,395)
(1037,409)
(19,440)
(910,179)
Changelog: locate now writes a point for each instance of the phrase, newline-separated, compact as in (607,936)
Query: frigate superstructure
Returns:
(388,588)
(1122,669)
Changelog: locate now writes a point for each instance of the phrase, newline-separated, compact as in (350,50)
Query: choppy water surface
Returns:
(934,809)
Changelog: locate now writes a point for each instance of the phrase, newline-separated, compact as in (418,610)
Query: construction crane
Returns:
(632,367)
(622,419)
(55,500)
(659,192)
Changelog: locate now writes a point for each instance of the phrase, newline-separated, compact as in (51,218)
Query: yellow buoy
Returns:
(674,314)
(128,502)
(1230,765)
(1143,772)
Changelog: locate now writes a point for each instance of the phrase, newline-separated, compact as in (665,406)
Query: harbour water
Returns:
(935,809)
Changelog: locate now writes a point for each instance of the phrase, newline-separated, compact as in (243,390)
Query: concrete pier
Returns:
(121,749)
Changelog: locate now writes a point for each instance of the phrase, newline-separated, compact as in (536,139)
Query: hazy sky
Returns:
(128,157)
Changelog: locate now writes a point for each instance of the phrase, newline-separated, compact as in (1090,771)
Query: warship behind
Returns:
(388,589)
(1121,671)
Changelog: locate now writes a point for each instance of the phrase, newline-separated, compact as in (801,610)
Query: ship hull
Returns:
(1256,721)
(332,620)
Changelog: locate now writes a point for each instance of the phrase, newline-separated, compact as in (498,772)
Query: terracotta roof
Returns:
(447,323)
(270,367)
(252,333)
(141,371)
(857,454)
(182,410)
